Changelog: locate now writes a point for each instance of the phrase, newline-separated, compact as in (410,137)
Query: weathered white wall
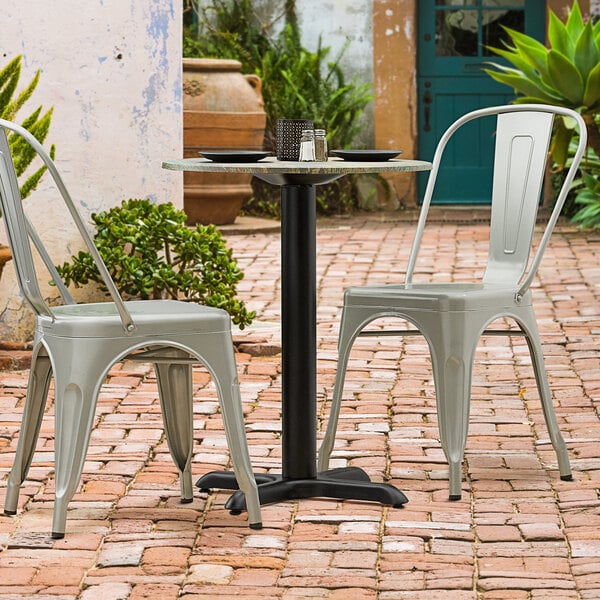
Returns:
(112,71)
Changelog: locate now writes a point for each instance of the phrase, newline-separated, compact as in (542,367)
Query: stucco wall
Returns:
(112,71)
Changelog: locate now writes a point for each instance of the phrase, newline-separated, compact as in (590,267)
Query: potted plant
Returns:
(38,123)
(151,253)
(297,83)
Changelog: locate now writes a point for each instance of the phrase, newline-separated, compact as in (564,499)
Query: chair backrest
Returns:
(21,233)
(522,140)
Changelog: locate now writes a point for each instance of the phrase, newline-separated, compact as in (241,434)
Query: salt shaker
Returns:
(307,145)
(320,145)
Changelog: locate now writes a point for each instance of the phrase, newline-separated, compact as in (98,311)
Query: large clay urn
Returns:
(222,110)
(5,256)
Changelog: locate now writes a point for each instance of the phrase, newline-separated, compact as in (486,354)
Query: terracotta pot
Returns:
(5,256)
(222,110)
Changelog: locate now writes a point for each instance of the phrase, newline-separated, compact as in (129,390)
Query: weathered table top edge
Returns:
(272,165)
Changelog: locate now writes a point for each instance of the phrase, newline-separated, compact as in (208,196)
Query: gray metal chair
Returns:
(78,343)
(452,316)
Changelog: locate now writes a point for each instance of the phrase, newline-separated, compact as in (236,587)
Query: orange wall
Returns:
(394,82)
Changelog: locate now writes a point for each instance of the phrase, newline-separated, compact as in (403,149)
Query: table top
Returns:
(283,172)
(273,166)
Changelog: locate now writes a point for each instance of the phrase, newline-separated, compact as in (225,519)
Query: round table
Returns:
(299,477)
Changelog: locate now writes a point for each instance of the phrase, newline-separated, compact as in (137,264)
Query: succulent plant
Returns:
(567,73)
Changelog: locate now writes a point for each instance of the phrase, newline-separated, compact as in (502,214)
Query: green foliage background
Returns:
(567,73)
(38,122)
(297,83)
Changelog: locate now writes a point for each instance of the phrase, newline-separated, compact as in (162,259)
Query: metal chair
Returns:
(78,343)
(452,316)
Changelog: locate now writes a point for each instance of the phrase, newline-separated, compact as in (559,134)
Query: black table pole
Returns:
(298,331)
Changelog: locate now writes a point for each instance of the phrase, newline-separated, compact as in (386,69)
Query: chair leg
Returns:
(453,341)
(35,402)
(219,358)
(326,447)
(175,390)
(529,325)
(351,323)
(77,383)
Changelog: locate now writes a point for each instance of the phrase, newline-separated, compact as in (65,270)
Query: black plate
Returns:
(237,156)
(366,155)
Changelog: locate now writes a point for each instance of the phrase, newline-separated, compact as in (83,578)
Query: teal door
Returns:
(453,35)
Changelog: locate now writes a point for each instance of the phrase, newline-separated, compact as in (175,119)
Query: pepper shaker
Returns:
(320,145)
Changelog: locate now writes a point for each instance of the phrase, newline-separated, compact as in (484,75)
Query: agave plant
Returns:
(565,74)
(37,123)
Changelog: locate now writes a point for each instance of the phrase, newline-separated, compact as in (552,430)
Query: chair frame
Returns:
(457,317)
(77,344)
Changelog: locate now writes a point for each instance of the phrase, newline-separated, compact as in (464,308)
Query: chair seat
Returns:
(437,296)
(163,317)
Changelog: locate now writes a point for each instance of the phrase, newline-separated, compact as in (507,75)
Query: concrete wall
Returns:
(112,71)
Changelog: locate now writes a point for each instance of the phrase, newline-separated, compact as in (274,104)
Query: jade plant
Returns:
(38,123)
(151,254)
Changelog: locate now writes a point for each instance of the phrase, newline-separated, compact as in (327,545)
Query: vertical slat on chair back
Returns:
(16,229)
(522,142)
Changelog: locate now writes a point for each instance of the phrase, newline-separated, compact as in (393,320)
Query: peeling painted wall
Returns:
(112,71)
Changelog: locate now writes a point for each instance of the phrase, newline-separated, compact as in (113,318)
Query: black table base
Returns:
(349,483)
(299,477)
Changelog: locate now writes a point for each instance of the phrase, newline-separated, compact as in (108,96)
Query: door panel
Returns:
(453,35)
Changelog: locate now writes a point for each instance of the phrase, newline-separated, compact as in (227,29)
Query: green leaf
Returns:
(520,62)
(591,182)
(521,84)
(521,40)
(586,53)
(560,143)
(565,77)
(559,37)
(15,105)
(9,79)
(591,95)
(529,49)
(575,22)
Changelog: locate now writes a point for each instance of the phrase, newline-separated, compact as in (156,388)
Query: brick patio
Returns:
(519,532)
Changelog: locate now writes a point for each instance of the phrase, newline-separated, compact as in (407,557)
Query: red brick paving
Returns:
(519,533)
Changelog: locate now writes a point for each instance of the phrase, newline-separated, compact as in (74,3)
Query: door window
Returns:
(465,28)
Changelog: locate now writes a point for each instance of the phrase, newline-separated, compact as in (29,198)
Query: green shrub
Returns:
(151,253)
